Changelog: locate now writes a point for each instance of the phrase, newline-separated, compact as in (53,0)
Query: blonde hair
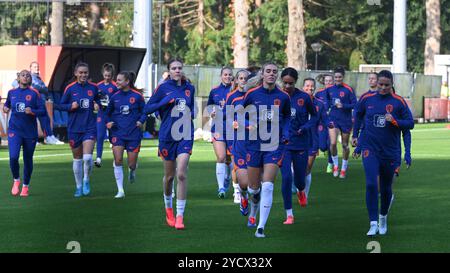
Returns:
(253,82)
(236,78)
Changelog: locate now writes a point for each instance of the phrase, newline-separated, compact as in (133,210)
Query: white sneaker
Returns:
(120,194)
(237,197)
(260,233)
(382,229)
(373,228)
(98,162)
(57,141)
(49,141)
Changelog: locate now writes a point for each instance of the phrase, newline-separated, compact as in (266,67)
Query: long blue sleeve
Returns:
(324,116)
(286,120)
(313,120)
(406,120)
(155,105)
(193,109)
(358,116)
(8,101)
(65,104)
(40,111)
(352,103)
(109,111)
(407,141)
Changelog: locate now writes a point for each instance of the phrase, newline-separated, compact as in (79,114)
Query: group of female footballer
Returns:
(258,128)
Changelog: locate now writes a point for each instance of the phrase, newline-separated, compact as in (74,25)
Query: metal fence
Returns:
(412,86)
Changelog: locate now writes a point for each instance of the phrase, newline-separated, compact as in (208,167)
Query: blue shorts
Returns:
(239,155)
(228,144)
(132,146)
(76,139)
(169,150)
(344,127)
(258,159)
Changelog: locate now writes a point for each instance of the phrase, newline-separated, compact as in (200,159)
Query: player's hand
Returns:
(339,105)
(408,160)
(213,114)
(389,117)
(75,106)
(5,110)
(138,124)
(330,125)
(252,127)
(235,125)
(28,111)
(96,107)
(285,140)
(356,154)
(354,142)
(109,125)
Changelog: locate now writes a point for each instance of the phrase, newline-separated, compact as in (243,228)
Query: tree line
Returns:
(241,33)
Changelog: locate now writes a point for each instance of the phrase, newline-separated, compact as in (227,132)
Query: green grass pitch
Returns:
(335,220)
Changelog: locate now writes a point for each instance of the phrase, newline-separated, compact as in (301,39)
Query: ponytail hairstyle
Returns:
(340,69)
(373,73)
(266,64)
(24,71)
(80,64)
(236,78)
(309,79)
(225,68)
(108,67)
(176,59)
(321,78)
(289,71)
(386,74)
(130,76)
(253,80)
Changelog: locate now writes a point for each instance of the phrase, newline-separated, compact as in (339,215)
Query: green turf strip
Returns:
(335,220)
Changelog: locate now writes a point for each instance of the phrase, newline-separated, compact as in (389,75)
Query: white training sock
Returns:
(344,164)
(307,184)
(335,160)
(78,172)
(289,212)
(181,204)
(168,201)
(220,174)
(236,187)
(266,203)
(118,173)
(87,159)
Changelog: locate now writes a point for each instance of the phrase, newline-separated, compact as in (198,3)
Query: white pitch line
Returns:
(430,129)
